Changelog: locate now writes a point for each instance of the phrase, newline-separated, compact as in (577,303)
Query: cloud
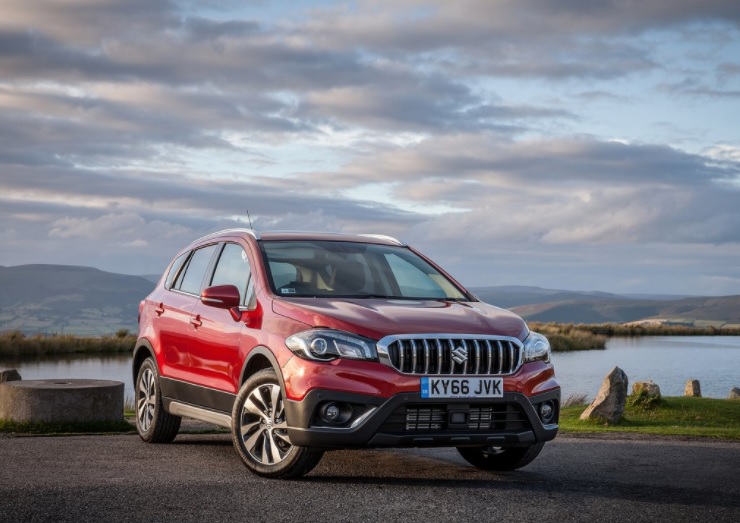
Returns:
(127,128)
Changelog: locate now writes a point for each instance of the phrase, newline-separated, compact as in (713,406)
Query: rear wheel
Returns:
(500,458)
(260,431)
(152,422)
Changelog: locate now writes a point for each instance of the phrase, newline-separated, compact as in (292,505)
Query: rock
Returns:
(735,393)
(9,375)
(693,388)
(648,388)
(609,403)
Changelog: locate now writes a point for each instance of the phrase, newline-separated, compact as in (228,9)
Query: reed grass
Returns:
(17,345)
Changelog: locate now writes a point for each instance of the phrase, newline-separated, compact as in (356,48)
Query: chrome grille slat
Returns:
(439,357)
(426,357)
(490,355)
(451,354)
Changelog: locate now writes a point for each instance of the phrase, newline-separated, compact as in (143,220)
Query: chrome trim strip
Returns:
(362,418)
(189,411)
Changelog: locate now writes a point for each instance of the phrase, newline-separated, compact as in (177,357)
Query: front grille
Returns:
(503,417)
(441,354)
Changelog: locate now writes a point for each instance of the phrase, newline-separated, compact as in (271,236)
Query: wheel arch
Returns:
(142,351)
(258,359)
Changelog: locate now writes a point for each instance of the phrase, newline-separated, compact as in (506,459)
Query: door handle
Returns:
(160,309)
(195,322)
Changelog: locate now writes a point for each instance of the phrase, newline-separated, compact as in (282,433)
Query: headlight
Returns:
(536,347)
(327,344)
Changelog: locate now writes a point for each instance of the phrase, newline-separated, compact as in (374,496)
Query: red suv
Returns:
(301,343)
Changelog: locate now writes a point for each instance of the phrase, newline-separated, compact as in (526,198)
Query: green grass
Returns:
(673,416)
(56,429)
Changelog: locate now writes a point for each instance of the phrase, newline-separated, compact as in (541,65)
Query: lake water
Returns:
(668,360)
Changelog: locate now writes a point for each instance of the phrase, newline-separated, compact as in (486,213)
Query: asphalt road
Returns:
(200,478)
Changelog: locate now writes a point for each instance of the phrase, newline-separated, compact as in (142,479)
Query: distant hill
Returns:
(69,299)
(87,301)
(547,305)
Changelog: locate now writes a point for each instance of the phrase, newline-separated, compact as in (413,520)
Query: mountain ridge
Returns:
(49,298)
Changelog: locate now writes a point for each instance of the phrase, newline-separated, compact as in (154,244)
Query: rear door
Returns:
(175,313)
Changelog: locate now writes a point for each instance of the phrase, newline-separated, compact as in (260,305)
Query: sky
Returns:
(577,144)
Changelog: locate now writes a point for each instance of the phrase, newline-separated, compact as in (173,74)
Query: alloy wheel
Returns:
(146,399)
(262,425)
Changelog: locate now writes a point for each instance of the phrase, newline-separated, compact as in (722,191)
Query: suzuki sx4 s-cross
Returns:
(301,343)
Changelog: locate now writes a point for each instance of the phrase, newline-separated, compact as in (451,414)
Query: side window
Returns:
(233,269)
(196,269)
(175,270)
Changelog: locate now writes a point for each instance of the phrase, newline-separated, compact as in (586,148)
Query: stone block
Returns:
(610,401)
(61,401)
(693,388)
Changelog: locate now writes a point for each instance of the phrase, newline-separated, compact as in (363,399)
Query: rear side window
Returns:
(195,271)
(233,269)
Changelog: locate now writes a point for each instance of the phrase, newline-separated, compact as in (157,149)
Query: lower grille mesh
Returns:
(437,418)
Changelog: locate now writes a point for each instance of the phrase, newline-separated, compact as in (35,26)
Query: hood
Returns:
(376,318)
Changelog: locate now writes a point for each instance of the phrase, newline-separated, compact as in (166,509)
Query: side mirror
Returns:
(221,296)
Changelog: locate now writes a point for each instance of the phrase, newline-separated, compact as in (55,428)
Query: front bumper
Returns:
(407,420)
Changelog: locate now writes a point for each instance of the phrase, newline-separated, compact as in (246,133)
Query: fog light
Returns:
(331,412)
(335,413)
(547,411)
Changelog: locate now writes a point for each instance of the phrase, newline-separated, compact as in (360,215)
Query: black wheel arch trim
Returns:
(142,345)
(261,350)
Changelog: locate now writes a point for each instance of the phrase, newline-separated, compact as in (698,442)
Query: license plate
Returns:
(462,387)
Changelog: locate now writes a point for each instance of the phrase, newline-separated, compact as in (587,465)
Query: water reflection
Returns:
(668,360)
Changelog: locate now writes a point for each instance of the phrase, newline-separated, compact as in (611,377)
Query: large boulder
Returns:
(693,388)
(9,375)
(648,389)
(609,403)
(735,393)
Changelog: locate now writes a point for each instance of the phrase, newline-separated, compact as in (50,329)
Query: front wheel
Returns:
(500,458)
(260,431)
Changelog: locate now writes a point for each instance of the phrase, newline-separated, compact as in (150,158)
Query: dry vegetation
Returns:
(15,344)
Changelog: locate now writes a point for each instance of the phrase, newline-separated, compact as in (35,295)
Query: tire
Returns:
(260,434)
(500,458)
(152,422)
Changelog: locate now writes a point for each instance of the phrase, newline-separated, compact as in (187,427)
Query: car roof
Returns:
(302,235)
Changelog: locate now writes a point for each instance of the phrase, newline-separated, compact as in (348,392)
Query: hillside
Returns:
(87,301)
(544,305)
(69,299)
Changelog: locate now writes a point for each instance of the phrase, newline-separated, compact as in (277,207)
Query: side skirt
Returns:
(191,411)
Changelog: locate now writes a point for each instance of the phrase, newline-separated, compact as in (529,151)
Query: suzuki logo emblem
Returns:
(460,355)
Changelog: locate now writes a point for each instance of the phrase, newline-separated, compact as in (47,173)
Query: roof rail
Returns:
(382,237)
(251,232)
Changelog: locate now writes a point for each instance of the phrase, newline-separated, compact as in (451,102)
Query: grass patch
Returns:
(567,337)
(671,416)
(57,429)
(15,344)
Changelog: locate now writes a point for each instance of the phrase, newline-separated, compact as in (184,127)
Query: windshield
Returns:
(353,270)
